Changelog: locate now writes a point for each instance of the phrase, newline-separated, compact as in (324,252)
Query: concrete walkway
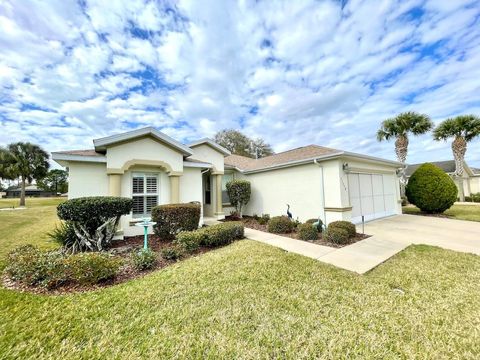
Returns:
(389,236)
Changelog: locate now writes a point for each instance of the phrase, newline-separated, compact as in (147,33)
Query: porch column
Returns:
(115,184)
(218,194)
(174,188)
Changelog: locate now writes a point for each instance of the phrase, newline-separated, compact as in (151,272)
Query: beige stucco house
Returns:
(153,168)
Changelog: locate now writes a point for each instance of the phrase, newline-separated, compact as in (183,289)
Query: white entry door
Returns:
(371,196)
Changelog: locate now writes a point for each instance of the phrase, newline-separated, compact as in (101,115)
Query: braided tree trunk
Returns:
(94,242)
(401,150)
(459,148)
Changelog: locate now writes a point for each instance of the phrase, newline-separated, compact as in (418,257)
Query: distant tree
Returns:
(463,129)
(241,144)
(400,127)
(24,161)
(56,181)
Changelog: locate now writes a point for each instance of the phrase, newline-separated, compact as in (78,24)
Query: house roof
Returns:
(102,143)
(89,152)
(212,144)
(476,171)
(448,166)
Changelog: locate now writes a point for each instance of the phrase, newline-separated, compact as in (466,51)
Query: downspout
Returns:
(315,161)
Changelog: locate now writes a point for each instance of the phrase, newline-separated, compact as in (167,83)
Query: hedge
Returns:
(346,225)
(431,189)
(307,232)
(280,225)
(211,236)
(336,235)
(174,218)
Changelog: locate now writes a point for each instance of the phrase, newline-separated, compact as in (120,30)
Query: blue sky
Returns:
(292,72)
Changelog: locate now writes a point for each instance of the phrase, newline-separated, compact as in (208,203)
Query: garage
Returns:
(371,196)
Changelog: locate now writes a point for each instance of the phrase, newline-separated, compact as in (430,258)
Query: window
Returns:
(144,193)
(225,179)
(208,190)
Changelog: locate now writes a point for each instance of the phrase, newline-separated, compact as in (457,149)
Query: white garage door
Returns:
(371,195)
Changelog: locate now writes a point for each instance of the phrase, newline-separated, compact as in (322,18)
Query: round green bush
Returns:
(307,232)
(189,240)
(173,218)
(345,225)
(144,259)
(431,189)
(336,235)
(280,225)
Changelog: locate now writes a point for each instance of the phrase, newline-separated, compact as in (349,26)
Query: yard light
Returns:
(145,223)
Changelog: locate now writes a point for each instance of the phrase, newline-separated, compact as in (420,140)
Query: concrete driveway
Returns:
(457,235)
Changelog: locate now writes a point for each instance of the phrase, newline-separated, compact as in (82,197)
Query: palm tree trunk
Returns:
(22,193)
(401,150)
(459,148)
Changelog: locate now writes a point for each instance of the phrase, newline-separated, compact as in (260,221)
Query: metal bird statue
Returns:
(289,214)
(318,224)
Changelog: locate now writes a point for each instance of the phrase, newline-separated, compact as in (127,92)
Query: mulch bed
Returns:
(119,248)
(251,223)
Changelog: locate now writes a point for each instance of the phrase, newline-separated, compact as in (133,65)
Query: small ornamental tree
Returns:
(239,192)
(94,220)
(431,189)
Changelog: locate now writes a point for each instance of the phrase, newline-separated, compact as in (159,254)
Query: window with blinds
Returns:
(144,193)
(225,179)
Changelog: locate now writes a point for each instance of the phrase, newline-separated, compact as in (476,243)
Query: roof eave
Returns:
(212,144)
(58,156)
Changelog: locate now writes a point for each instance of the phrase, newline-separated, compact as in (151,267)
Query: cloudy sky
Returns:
(293,72)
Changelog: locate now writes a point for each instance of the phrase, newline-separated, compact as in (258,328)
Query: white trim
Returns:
(71,157)
(197,165)
(102,143)
(212,144)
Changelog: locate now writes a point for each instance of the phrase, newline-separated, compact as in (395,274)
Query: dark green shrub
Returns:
(64,235)
(263,220)
(431,189)
(404,201)
(307,232)
(174,218)
(336,235)
(91,268)
(190,240)
(319,225)
(172,252)
(143,259)
(30,266)
(346,225)
(95,219)
(222,234)
(239,192)
(280,225)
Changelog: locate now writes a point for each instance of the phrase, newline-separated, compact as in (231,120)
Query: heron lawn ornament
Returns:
(289,214)
(145,224)
(318,225)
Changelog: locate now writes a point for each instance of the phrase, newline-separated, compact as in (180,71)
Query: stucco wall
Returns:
(475,184)
(87,179)
(299,186)
(143,149)
(208,154)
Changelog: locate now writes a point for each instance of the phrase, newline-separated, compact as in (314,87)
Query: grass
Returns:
(459,212)
(249,300)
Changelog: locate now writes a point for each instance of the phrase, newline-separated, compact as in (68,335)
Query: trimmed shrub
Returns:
(91,268)
(431,189)
(30,266)
(280,225)
(144,259)
(190,240)
(239,192)
(263,220)
(346,225)
(336,235)
(174,218)
(313,221)
(94,220)
(222,234)
(51,269)
(307,232)
(172,252)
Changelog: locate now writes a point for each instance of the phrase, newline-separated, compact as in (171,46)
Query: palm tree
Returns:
(25,161)
(400,127)
(463,129)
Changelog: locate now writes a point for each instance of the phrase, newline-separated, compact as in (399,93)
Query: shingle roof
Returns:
(90,152)
(298,154)
(447,166)
(476,171)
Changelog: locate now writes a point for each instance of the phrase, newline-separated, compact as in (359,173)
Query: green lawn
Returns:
(459,212)
(249,300)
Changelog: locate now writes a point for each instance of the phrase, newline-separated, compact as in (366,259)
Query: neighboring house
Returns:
(30,191)
(471,179)
(153,168)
